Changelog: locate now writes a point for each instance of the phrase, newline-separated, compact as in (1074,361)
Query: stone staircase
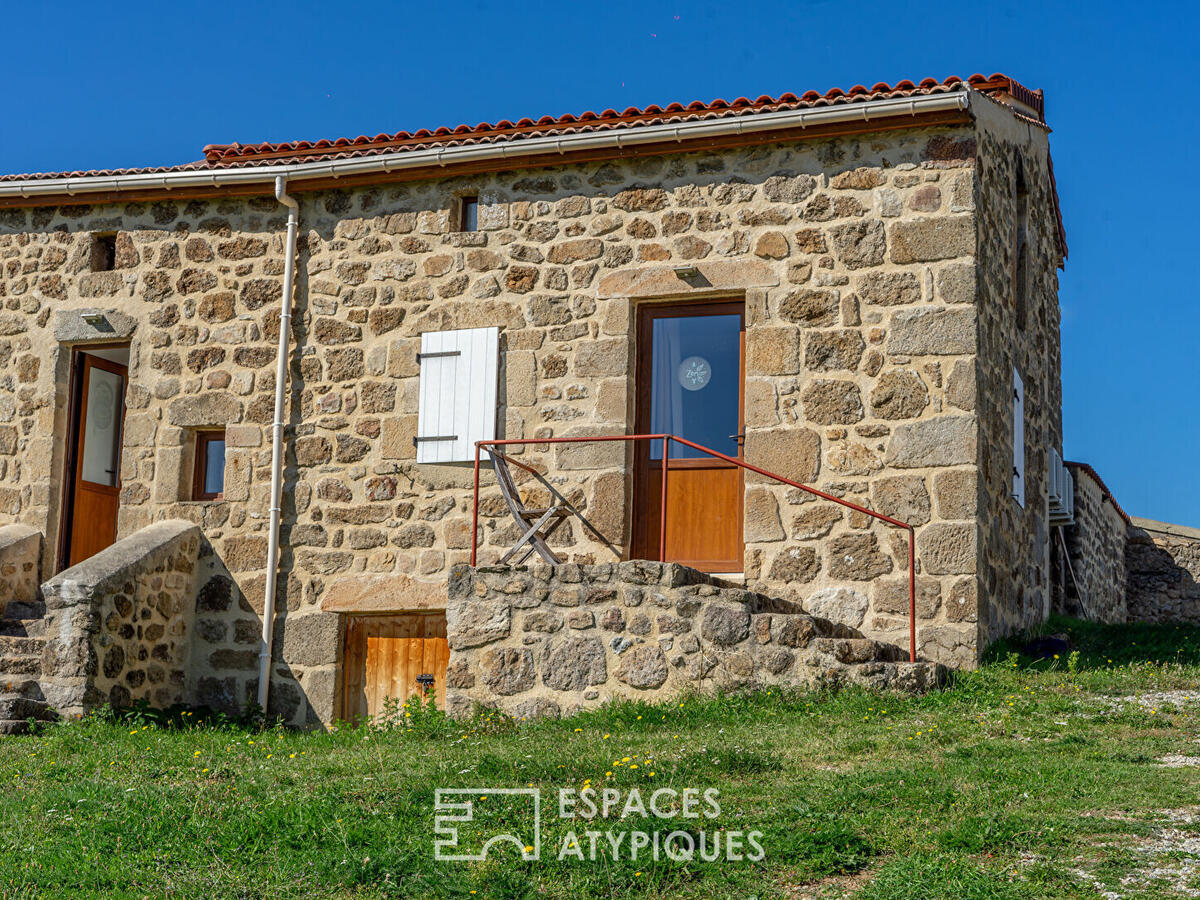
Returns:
(21,642)
(788,646)
(555,640)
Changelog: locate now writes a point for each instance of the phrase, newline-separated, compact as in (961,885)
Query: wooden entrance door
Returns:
(99,421)
(690,375)
(393,656)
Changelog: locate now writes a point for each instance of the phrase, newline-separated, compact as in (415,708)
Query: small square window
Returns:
(208,482)
(104,252)
(468,214)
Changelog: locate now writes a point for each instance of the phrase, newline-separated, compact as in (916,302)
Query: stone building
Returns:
(1116,568)
(854,290)
(1093,574)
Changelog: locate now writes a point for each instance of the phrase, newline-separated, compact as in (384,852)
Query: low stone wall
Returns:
(1163,566)
(118,624)
(1096,545)
(20,551)
(553,641)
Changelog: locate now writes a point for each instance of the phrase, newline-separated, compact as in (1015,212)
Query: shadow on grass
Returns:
(1103,646)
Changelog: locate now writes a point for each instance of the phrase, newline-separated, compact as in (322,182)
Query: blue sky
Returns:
(91,86)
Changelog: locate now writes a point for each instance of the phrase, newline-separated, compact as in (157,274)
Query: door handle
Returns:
(738,437)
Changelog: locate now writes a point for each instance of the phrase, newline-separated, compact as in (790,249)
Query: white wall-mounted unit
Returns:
(459,371)
(1062,492)
(1018,436)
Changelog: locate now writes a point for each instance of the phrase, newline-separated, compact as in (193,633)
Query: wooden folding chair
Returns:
(532,520)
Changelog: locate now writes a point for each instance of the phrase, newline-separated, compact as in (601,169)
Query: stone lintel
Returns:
(70,328)
(662,281)
(384,594)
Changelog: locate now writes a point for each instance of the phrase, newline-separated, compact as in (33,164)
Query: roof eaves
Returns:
(236,155)
(1106,494)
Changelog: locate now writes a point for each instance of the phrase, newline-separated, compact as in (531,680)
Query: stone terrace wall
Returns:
(553,641)
(1163,566)
(1014,542)
(20,559)
(118,625)
(1096,544)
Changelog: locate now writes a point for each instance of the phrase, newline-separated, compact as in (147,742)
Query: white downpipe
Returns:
(513,148)
(285,330)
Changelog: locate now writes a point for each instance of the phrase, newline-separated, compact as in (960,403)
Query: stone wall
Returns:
(552,641)
(20,559)
(223,672)
(855,257)
(118,625)
(1014,541)
(1096,544)
(1163,566)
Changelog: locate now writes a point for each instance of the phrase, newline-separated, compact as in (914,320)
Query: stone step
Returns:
(14,726)
(13,707)
(729,579)
(21,686)
(907,677)
(849,651)
(775,607)
(722,586)
(24,609)
(841,642)
(828,639)
(11,645)
(23,627)
(12,666)
(799,629)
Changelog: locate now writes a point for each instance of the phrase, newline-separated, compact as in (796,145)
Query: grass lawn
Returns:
(1027,779)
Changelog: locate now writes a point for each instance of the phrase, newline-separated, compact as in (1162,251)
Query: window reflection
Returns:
(102,427)
(695,382)
(214,466)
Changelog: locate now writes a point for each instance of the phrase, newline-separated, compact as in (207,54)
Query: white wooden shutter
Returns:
(1018,406)
(1062,492)
(458,393)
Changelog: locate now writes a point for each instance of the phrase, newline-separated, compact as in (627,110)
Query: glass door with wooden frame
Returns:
(99,421)
(690,376)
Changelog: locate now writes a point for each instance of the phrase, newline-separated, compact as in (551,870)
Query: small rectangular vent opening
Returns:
(104,252)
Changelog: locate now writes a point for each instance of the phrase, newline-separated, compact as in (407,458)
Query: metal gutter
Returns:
(513,148)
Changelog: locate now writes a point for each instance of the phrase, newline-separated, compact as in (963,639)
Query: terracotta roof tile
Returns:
(1105,493)
(484,132)
(225,156)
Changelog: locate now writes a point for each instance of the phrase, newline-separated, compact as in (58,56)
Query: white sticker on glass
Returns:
(694,373)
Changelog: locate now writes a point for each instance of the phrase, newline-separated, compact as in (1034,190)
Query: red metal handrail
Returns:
(662,543)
